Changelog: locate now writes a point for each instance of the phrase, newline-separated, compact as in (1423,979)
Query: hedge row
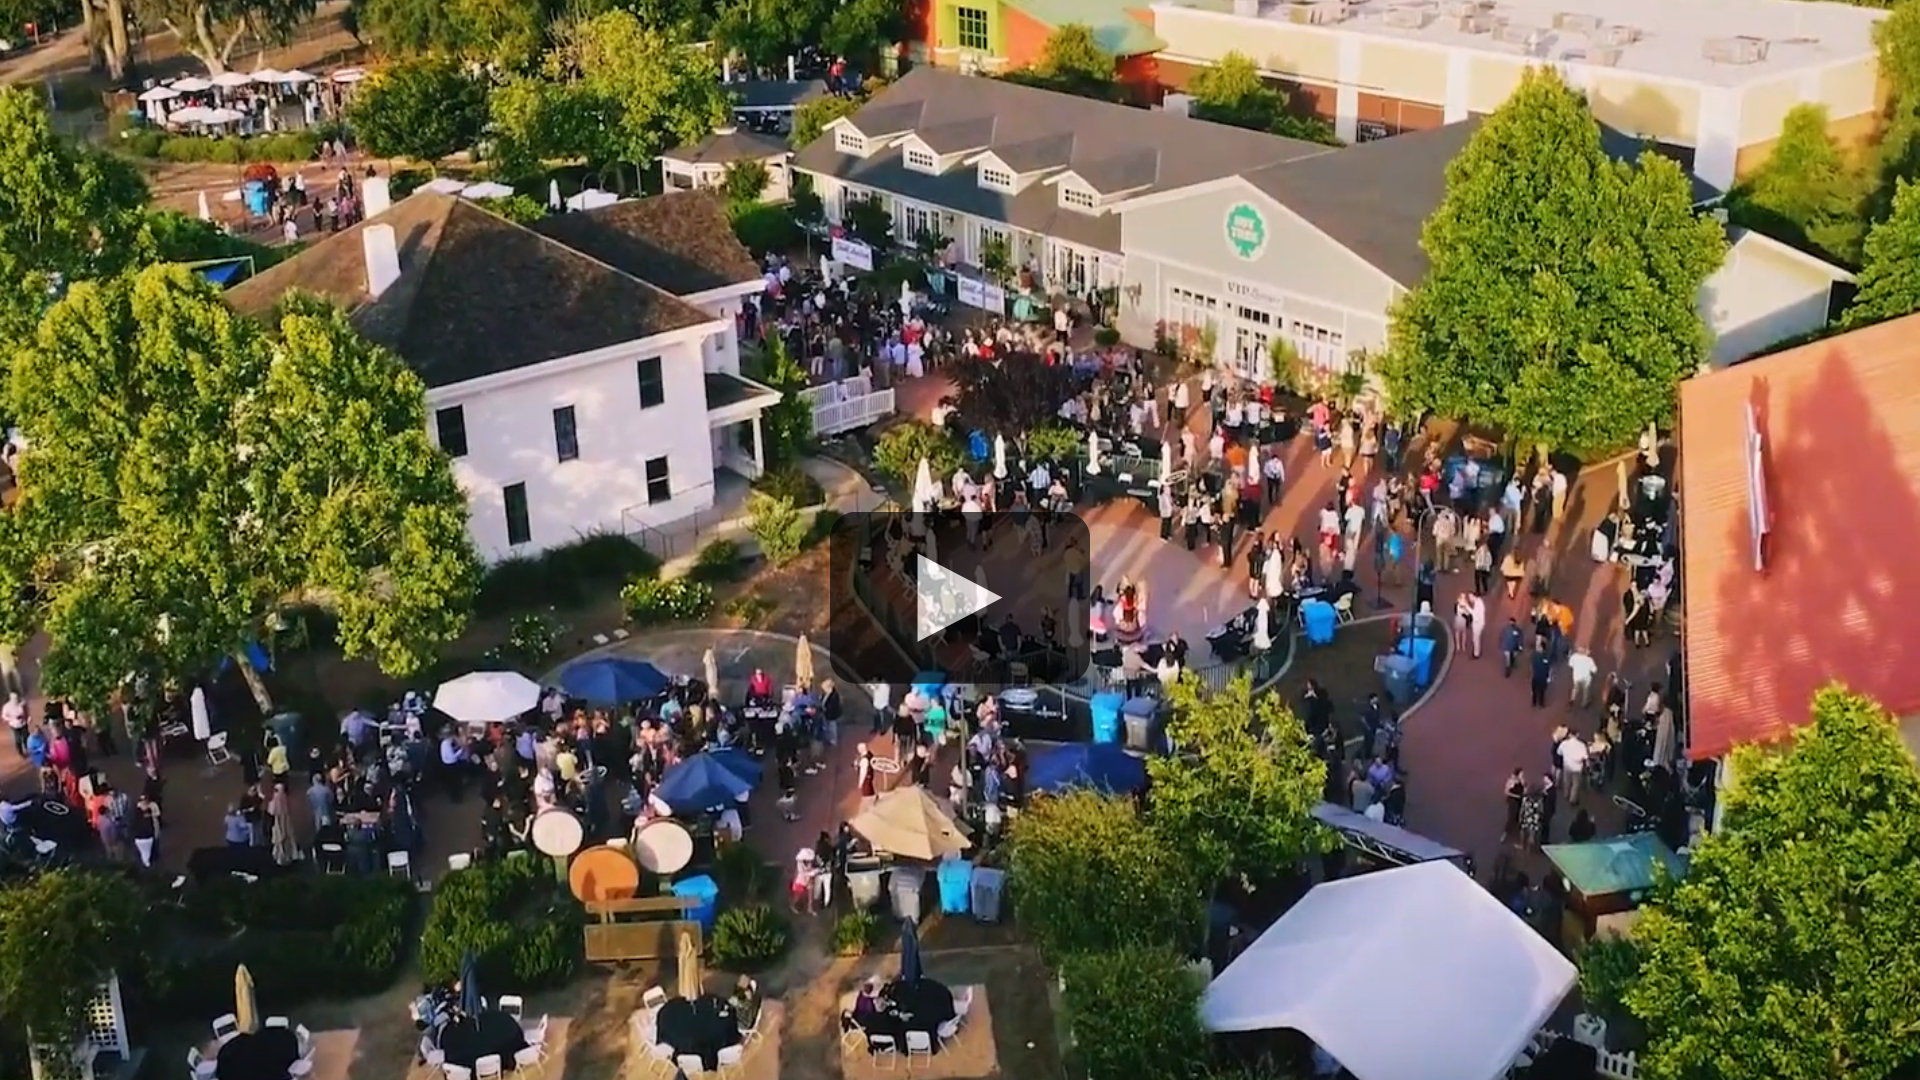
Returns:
(523,929)
(290,146)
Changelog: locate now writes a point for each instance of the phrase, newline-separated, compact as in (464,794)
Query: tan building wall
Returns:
(1406,72)
(1490,81)
(1665,112)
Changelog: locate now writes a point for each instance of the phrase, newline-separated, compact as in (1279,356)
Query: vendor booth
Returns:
(1606,879)
(1415,973)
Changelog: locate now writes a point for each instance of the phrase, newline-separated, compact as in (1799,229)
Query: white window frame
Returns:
(1323,348)
(848,141)
(997,178)
(1075,197)
(1253,333)
(960,34)
(1190,310)
(915,219)
(920,159)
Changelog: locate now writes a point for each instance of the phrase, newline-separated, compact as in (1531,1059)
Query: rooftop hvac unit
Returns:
(1247,9)
(1620,34)
(1526,37)
(1469,24)
(1574,22)
(1461,9)
(1407,18)
(1734,50)
(1315,14)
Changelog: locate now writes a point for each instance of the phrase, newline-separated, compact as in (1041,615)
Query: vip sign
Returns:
(1246,231)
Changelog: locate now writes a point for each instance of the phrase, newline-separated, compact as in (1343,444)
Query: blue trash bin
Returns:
(704,890)
(956,882)
(1420,649)
(1106,707)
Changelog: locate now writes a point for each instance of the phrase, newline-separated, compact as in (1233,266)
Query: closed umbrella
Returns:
(925,494)
(246,1008)
(907,822)
(206,212)
(911,969)
(1262,628)
(613,680)
(553,195)
(1093,453)
(470,999)
(710,667)
(803,662)
(689,965)
(487,697)
(1166,459)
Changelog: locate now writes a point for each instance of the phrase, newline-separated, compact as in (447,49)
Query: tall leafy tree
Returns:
(188,471)
(1560,300)
(1089,877)
(1788,950)
(1807,193)
(210,30)
(424,108)
(1231,91)
(1890,277)
(1071,62)
(1019,394)
(66,213)
(1237,795)
(861,29)
(506,33)
(810,120)
(766,32)
(62,934)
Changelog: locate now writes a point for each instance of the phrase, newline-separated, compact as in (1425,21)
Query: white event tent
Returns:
(1414,973)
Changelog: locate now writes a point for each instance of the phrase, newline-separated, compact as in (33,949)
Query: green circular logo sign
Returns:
(1246,231)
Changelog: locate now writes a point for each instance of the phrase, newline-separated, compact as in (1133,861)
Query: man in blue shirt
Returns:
(1542,674)
(1509,647)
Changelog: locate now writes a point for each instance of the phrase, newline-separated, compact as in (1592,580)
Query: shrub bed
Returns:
(570,575)
(523,930)
(794,483)
(302,936)
(652,602)
(286,147)
(748,938)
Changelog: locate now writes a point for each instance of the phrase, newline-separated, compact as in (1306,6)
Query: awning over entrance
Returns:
(732,399)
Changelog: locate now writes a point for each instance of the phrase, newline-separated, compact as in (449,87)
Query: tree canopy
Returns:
(1788,950)
(509,33)
(189,471)
(1560,299)
(766,33)
(1017,394)
(1088,876)
(424,108)
(1889,279)
(62,933)
(1231,91)
(1072,62)
(1236,797)
(810,120)
(1807,192)
(210,30)
(67,213)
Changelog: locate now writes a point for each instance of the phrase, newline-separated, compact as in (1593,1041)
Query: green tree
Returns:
(744,182)
(860,29)
(1088,877)
(1788,950)
(176,237)
(787,425)
(1231,91)
(210,30)
(189,471)
(1021,393)
(870,223)
(424,108)
(1890,277)
(509,33)
(67,214)
(898,451)
(1072,62)
(1135,1013)
(1560,300)
(1237,797)
(810,120)
(524,209)
(1807,193)
(777,526)
(62,934)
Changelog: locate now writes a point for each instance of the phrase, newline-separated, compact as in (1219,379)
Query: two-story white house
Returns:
(584,377)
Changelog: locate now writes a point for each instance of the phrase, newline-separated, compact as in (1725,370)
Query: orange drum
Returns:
(603,873)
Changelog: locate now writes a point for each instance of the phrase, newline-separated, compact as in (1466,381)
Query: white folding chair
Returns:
(949,1032)
(203,1068)
(430,1055)
(217,752)
(399,864)
(1343,609)
(300,1067)
(963,1003)
(729,1059)
(489,1068)
(333,859)
(690,1065)
(654,997)
(513,1005)
(278,1022)
(527,1061)
(536,1032)
(225,1027)
(919,1044)
(459,862)
(456,1072)
(886,1052)
(305,1039)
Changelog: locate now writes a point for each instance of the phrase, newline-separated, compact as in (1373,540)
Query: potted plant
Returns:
(1285,367)
(996,260)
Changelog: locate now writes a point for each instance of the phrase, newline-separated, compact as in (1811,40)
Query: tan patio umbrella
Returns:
(246,1010)
(711,668)
(689,963)
(909,823)
(803,662)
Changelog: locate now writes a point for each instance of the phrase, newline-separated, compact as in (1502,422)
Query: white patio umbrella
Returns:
(206,212)
(295,76)
(486,697)
(1000,456)
(230,79)
(1166,459)
(925,493)
(553,195)
(159,93)
(222,116)
(710,667)
(1275,573)
(268,76)
(1262,628)
(803,661)
(192,84)
(486,189)
(444,185)
(191,114)
(1093,453)
(906,299)
(592,199)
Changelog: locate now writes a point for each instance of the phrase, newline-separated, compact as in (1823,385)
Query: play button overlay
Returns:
(941,597)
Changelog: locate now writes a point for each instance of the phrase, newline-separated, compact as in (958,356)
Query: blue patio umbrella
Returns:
(611,680)
(701,782)
(911,970)
(470,984)
(1100,766)
(740,763)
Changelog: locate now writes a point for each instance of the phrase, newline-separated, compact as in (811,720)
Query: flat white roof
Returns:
(1666,38)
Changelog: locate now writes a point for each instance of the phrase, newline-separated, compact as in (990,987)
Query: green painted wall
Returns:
(949,24)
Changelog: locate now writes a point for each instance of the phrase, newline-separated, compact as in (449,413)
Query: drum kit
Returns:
(611,871)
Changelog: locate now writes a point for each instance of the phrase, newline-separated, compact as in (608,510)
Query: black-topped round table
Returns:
(267,1054)
(469,1038)
(704,1025)
(915,1006)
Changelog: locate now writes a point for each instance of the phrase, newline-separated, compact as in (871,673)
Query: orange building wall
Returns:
(1026,37)
(920,26)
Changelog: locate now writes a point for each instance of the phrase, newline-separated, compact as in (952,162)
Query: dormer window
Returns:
(848,141)
(921,159)
(1078,198)
(995,177)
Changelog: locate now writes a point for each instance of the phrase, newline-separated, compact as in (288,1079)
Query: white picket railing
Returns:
(847,405)
(1621,1066)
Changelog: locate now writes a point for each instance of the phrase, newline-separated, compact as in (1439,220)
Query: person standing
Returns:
(1510,639)
(1581,670)
(1476,623)
(1573,766)
(1542,675)
(14,712)
(1515,790)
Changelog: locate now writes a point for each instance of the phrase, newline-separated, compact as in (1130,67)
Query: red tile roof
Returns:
(1839,598)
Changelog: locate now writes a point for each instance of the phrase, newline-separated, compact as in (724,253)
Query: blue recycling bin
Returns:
(1319,619)
(1106,707)
(704,890)
(956,884)
(930,683)
(1420,649)
(254,194)
(979,447)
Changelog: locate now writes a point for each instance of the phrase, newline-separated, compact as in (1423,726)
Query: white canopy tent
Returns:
(1414,973)
(159,93)
(486,189)
(591,199)
(444,185)
(192,84)
(232,79)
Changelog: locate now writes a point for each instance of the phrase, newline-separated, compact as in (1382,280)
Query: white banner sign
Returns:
(994,299)
(970,291)
(852,253)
